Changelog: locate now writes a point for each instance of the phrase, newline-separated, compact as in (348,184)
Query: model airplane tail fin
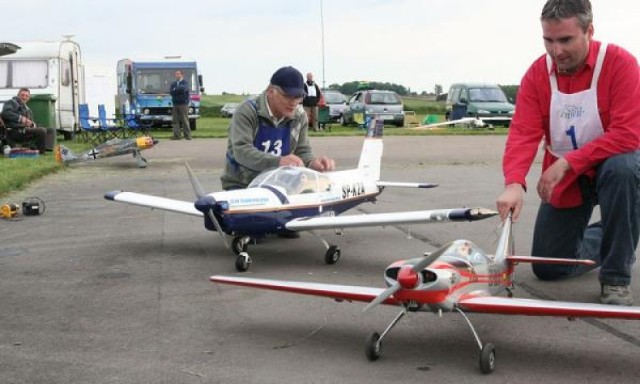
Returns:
(64,154)
(505,243)
(371,155)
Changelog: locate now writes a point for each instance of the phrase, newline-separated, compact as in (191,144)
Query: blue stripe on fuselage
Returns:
(255,223)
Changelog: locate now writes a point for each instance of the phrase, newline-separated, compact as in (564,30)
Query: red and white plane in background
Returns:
(459,277)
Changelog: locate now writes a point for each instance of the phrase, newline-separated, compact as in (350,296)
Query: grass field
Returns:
(16,174)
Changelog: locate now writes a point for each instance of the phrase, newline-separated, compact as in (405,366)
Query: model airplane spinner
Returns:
(291,199)
(110,148)
(459,277)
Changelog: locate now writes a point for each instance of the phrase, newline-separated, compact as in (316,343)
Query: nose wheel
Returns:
(243,262)
(239,246)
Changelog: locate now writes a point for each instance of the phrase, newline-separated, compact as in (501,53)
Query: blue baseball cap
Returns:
(290,80)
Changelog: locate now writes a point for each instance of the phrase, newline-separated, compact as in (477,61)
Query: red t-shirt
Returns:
(618,93)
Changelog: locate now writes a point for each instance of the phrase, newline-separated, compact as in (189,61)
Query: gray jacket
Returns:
(243,160)
(13,110)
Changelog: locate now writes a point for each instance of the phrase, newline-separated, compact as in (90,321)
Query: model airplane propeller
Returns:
(110,148)
(459,277)
(291,199)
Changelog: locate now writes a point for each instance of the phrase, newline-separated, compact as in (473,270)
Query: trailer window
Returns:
(23,74)
(65,67)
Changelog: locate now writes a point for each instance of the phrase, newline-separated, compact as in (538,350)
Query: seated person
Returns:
(19,123)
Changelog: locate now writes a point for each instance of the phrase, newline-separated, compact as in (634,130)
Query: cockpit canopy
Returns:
(464,253)
(293,180)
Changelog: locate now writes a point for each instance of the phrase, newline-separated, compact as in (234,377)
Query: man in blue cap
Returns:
(271,131)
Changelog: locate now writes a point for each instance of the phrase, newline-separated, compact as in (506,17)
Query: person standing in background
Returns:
(311,100)
(180,112)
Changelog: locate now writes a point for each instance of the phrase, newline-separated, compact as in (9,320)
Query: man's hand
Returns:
(322,164)
(512,198)
(291,161)
(26,121)
(551,177)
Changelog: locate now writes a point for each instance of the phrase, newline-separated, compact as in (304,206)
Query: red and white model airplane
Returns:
(459,277)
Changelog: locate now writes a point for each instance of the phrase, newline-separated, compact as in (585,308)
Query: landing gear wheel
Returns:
(373,349)
(487,358)
(238,245)
(333,255)
(243,262)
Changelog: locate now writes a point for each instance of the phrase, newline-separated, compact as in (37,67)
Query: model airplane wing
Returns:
(154,202)
(338,292)
(393,218)
(529,307)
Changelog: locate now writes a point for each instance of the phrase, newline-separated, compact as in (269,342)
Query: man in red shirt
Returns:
(582,99)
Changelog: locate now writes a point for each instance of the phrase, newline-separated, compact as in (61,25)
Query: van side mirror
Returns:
(463,100)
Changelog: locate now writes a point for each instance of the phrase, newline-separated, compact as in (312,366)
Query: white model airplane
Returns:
(475,122)
(291,199)
(458,277)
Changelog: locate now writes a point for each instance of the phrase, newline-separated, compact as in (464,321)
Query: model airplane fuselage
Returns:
(110,148)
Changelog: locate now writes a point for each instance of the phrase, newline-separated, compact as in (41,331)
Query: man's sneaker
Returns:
(616,295)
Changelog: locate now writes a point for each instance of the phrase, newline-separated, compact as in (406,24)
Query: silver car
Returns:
(384,104)
(228,109)
(337,103)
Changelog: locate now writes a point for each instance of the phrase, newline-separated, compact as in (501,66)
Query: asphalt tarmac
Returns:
(98,292)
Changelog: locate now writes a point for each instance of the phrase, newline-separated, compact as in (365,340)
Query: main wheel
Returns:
(333,255)
(373,348)
(238,245)
(243,262)
(487,358)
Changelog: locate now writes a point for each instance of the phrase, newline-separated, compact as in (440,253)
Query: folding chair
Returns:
(109,126)
(90,131)
(136,127)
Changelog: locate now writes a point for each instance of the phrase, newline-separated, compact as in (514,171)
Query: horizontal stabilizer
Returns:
(405,185)
(149,201)
(392,218)
(548,260)
(529,307)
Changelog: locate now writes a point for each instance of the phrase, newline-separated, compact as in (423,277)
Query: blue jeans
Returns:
(611,242)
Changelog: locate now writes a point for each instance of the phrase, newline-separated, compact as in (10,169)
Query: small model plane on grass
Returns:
(110,148)
(459,277)
(291,199)
(473,122)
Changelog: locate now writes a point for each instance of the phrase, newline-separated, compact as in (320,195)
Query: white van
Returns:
(54,73)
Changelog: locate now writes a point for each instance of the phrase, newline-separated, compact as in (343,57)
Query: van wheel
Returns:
(192,124)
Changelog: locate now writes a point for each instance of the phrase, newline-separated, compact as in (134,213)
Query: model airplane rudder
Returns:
(371,155)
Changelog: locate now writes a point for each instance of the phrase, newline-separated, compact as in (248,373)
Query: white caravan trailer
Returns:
(54,73)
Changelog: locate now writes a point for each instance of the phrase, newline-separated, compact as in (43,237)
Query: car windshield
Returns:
(334,98)
(487,95)
(383,98)
(293,180)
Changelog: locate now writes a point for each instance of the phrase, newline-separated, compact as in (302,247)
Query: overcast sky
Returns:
(240,43)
